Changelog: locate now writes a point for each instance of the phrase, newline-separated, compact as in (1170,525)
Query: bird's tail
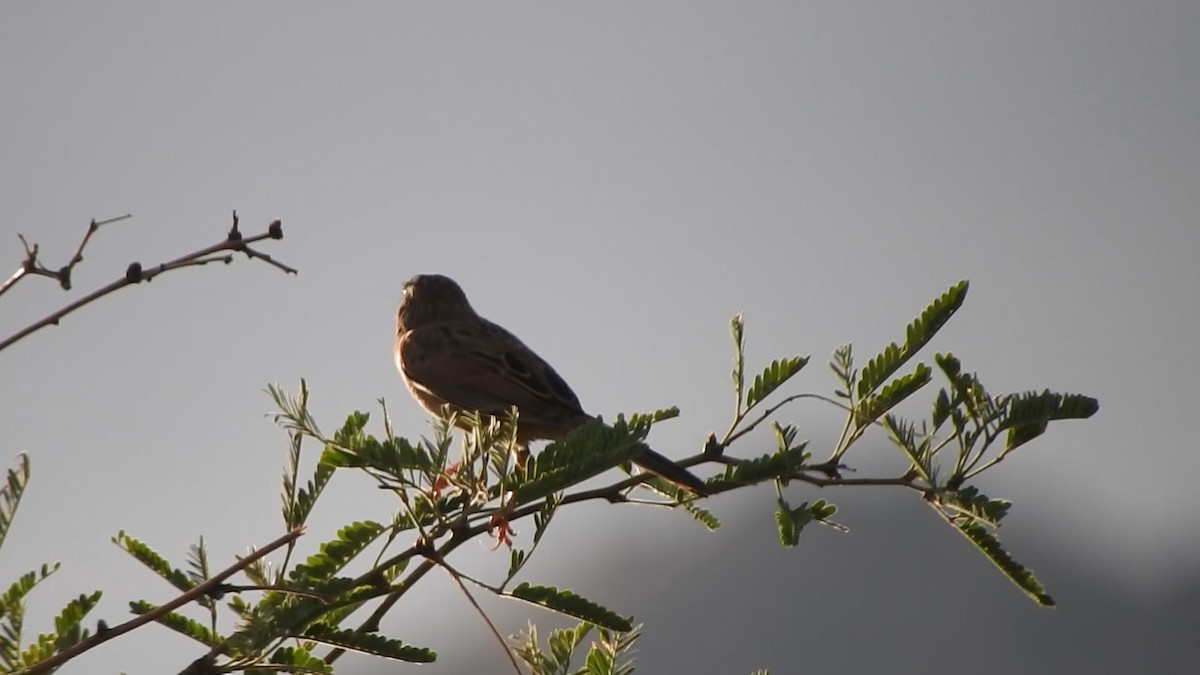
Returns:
(658,464)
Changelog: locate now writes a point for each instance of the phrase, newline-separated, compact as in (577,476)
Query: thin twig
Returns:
(207,588)
(491,626)
(31,264)
(135,273)
(64,274)
(286,590)
(371,624)
(731,437)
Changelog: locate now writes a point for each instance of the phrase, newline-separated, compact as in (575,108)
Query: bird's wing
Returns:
(481,366)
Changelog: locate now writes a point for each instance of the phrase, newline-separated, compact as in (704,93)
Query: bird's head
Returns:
(430,298)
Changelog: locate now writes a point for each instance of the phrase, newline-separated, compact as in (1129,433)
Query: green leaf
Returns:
(821,510)
(300,661)
(199,572)
(1029,414)
(180,624)
(541,519)
(67,624)
(791,521)
(599,661)
(747,472)
(10,494)
(640,423)
(949,364)
(516,560)
(969,395)
(391,456)
(15,595)
(704,516)
(150,558)
(369,643)
(772,378)
(527,649)
(260,573)
(612,654)
(904,434)
(587,451)
(785,436)
(566,602)
(917,335)
(281,613)
(737,330)
(941,408)
(294,415)
(875,405)
(39,650)
(335,553)
(12,614)
(351,434)
(298,501)
(989,545)
(971,502)
(842,365)
(198,561)
(562,643)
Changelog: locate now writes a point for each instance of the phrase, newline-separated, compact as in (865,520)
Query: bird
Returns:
(448,354)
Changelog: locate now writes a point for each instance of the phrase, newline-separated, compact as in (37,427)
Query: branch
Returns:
(479,610)
(234,242)
(372,622)
(33,266)
(210,586)
(614,493)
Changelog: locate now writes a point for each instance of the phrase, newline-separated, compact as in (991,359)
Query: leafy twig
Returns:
(104,634)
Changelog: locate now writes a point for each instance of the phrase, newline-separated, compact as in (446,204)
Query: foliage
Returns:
(611,653)
(302,613)
(68,624)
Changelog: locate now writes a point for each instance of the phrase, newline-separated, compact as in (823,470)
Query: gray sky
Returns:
(613,182)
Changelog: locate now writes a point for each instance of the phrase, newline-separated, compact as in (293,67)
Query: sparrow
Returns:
(449,354)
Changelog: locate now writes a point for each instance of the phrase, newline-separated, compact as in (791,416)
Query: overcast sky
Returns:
(613,181)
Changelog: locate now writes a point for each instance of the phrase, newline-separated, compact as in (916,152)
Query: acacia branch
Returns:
(209,587)
(234,242)
(614,493)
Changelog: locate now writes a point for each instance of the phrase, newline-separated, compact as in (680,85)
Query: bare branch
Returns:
(31,265)
(479,610)
(135,273)
(64,274)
